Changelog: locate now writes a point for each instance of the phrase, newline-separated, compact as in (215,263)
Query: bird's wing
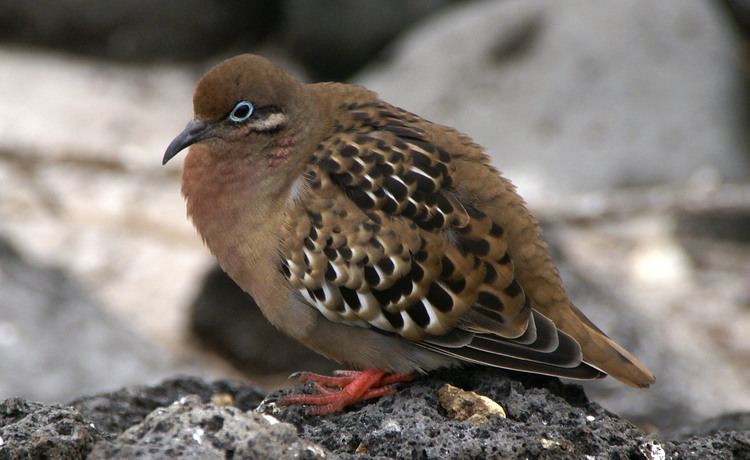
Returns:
(382,240)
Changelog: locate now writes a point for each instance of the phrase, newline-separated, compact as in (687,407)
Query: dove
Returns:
(378,239)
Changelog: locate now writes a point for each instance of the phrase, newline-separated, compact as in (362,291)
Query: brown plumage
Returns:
(377,238)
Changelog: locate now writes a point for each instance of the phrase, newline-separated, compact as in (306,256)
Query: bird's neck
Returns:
(236,211)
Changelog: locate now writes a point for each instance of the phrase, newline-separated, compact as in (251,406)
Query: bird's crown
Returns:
(245,78)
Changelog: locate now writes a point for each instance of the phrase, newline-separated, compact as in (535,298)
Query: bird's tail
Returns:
(605,354)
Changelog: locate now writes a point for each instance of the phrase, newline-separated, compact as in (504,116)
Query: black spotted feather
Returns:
(382,240)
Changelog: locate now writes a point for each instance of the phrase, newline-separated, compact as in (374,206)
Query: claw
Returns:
(296,375)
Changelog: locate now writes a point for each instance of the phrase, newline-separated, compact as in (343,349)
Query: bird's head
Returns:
(244,108)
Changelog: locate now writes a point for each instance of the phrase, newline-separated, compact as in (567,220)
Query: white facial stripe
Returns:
(269,123)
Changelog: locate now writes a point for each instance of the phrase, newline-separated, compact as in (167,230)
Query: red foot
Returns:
(344,389)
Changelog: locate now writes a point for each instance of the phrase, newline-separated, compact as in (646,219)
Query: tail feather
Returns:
(604,353)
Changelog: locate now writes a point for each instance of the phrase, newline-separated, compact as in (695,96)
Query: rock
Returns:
(34,430)
(85,190)
(226,320)
(578,96)
(191,429)
(115,412)
(545,419)
(56,343)
(468,405)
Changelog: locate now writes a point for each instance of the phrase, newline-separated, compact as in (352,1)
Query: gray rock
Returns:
(100,205)
(115,412)
(545,419)
(56,343)
(34,430)
(190,429)
(579,95)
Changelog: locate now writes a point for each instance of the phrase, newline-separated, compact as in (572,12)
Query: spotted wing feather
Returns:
(382,240)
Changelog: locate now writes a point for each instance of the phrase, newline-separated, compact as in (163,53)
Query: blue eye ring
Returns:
(242,111)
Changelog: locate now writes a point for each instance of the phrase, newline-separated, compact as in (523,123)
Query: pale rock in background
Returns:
(578,95)
(82,186)
(56,343)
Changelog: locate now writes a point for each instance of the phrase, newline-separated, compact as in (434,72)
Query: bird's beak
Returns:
(195,131)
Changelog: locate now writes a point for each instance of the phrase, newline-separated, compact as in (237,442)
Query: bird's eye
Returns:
(241,111)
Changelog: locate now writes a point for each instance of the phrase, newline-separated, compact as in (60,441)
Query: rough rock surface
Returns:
(35,430)
(191,429)
(117,411)
(546,420)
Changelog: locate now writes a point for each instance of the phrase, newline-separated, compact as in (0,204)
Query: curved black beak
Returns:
(195,131)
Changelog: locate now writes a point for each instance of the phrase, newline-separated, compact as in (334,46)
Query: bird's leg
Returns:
(342,378)
(354,386)
(390,379)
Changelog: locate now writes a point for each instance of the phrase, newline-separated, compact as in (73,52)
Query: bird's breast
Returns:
(226,204)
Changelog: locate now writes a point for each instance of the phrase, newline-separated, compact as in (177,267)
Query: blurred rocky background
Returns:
(626,125)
